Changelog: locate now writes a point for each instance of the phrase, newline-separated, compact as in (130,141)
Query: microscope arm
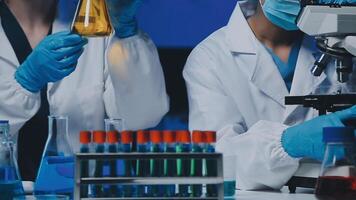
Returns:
(350,44)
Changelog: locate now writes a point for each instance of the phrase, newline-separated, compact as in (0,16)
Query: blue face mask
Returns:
(282,13)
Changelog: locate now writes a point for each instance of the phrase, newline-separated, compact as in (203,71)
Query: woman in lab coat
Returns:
(237,80)
(129,85)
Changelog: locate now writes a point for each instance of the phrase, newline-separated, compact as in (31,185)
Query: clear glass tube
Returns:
(114,125)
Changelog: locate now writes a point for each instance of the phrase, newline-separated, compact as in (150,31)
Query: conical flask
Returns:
(56,173)
(92,19)
(10,181)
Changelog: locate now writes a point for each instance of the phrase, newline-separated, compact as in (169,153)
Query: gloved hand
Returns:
(54,58)
(305,140)
(282,13)
(337,1)
(123,16)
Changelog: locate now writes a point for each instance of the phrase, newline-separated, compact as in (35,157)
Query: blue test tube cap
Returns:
(338,134)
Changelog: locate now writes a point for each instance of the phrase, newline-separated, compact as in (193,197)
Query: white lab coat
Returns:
(130,87)
(235,88)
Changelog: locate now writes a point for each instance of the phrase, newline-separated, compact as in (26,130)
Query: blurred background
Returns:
(176,27)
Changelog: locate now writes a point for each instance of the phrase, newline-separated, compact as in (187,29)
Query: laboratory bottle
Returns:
(170,169)
(183,165)
(10,180)
(110,167)
(156,165)
(99,138)
(196,165)
(211,165)
(56,172)
(142,165)
(92,19)
(85,140)
(127,165)
(337,178)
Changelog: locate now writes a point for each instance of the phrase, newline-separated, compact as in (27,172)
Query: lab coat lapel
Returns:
(260,67)
(304,83)
(6,51)
(267,77)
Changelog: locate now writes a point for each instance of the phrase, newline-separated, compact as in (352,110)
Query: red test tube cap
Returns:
(156,137)
(210,137)
(183,136)
(99,137)
(126,137)
(85,137)
(198,137)
(169,137)
(142,137)
(113,137)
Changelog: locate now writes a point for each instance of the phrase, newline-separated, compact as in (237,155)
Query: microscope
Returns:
(334,28)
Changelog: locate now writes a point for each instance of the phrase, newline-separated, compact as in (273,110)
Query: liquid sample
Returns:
(336,188)
(211,168)
(142,170)
(196,170)
(92,19)
(127,190)
(56,176)
(84,190)
(156,170)
(170,170)
(110,170)
(10,189)
(229,188)
(98,190)
(183,169)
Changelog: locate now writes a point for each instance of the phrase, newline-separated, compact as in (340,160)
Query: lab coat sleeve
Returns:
(261,162)
(135,87)
(16,103)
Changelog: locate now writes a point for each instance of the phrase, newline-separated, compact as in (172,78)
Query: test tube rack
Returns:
(79,180)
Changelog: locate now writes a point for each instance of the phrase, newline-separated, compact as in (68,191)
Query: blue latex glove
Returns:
(282,13)
(337,1)
(123,16)
(54,58)
(305,140)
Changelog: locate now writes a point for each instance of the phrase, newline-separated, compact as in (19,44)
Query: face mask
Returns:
(282,13)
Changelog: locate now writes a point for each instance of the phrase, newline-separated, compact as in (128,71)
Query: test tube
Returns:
(112,140)
(156,166)
(126,147)
(197,164)
(183,165)
(85,140)
(142,165)
(170,169)
(211,165)
(99,138)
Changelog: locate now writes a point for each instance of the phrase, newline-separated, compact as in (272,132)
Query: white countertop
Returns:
(301,194)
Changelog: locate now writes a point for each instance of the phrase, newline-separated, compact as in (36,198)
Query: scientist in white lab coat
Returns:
(237,80)
(67,75)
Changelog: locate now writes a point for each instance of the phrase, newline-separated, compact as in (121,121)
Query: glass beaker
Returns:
(92,19)
(229,175)
(10,181)
(56,172)
(338,174)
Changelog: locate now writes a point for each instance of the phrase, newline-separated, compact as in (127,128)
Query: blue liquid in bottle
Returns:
(9,185)
(56,176)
